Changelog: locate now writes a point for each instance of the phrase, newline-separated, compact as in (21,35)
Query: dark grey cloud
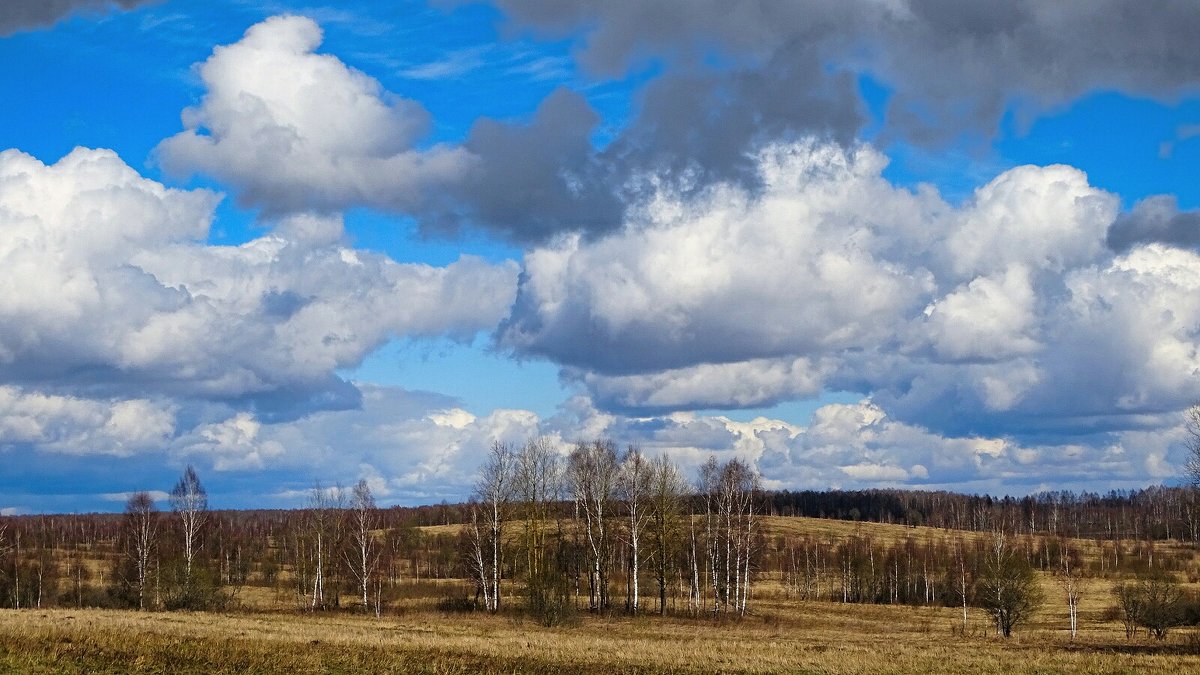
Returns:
(730,79)
(18,15)
(530,181)
(1155,219)
(955,65)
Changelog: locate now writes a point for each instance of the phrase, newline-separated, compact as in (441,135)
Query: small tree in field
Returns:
(1160,603)
(190,503)
(1008,587)
(141,530)
(365,555)
(634,487)
(1129,603)
(1072,585)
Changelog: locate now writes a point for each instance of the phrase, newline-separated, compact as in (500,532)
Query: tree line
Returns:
(602,529)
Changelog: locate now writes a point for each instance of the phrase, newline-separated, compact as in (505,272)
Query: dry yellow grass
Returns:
(781,637)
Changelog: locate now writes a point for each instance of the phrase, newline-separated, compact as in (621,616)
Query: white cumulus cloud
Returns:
(297,130)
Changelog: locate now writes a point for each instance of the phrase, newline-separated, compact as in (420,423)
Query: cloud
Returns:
(730,275)
(18,15)
(72,425)
(1156,218)
(156,495)
(742,384)
(858,445)
(416,446)
(107,289)
(953,65)
(327,137)
(295,130)
(1006,315)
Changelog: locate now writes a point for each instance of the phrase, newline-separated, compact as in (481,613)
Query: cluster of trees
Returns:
(341,549)
(604,529)
(597,511)
(1152,513)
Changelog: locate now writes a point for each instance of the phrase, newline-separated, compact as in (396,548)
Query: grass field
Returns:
(782,634)
(781,637)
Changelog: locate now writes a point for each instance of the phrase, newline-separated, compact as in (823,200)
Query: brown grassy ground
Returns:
(783,636)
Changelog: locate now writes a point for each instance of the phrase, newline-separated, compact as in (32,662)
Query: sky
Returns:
(927,244)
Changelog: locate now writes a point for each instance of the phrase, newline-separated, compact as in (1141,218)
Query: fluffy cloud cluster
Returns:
(1005,315)
(330,137)
(295,130)
(106,286)
(415,447)
(411,446)
(74,425)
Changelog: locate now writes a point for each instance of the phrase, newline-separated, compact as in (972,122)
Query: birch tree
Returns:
(494,493)
(189,501)
(364,557)
(323,529)
(592,472)
(634,488)
(141,530)
(667,489)
(1072,585)
(538,484)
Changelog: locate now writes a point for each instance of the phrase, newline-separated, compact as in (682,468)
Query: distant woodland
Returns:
(605,529)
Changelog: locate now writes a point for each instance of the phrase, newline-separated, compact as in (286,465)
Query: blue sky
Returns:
(915,245)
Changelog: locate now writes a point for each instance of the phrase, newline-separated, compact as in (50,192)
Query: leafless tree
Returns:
(476,532)
(635,488)
(1008,587)
(709,486)
(141,530)
(964,591)
(739,487)
(323,529)
(365,555)
(1072,585)
(667,489)
(592,471)
(538,484)
(494,492)
(190,502)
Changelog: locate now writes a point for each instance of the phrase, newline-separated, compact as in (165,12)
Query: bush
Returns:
(1154,602)
(203,592)
(550,602)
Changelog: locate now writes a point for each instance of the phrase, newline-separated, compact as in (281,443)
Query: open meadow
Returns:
(267,629)
(781,636)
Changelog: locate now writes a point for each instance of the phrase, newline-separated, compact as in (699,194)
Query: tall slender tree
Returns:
(592,471)
(141,532)
(634,489)
(494,492)
(667,489)
(364,557)
(538,485)
(189,501)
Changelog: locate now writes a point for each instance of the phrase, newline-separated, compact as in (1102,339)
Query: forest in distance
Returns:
(605,531)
